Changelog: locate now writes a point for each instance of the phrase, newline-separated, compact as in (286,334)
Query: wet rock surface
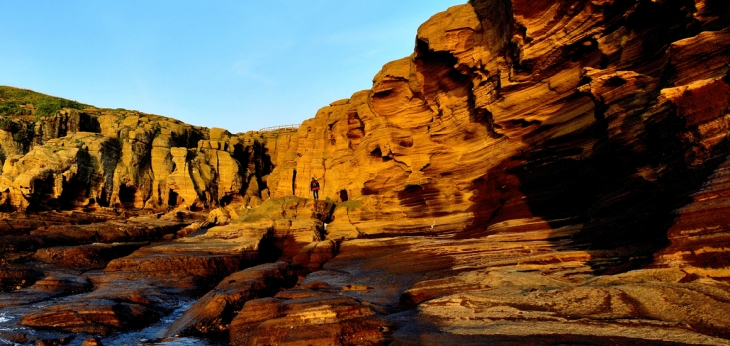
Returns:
(212,313)
(104,281)
(548,172)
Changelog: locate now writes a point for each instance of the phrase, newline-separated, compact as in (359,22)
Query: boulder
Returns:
(298,317)
(212,313)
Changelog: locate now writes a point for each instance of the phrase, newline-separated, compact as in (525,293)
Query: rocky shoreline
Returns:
(536,172)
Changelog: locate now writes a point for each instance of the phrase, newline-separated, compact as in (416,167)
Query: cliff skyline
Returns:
(535,172)
(228,64)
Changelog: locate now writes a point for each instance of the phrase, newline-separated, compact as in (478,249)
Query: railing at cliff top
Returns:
(281,127)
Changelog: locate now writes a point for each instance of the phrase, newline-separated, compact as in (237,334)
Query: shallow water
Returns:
(144,337)
(151,335)
(8,326)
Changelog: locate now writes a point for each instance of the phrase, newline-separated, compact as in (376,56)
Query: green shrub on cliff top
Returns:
(52,106)
(13,100)
(12,107)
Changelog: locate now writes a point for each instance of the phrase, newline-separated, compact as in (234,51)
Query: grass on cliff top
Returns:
(15,101)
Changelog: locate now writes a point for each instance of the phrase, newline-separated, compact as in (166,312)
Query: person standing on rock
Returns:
(314,186)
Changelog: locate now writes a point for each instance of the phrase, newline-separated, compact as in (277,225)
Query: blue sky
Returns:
(240,65)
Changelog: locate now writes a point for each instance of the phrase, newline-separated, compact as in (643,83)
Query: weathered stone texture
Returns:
(535,172)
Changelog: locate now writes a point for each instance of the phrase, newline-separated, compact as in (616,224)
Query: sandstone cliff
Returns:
(535,172)
(602,117)
(570,139)
(116,158)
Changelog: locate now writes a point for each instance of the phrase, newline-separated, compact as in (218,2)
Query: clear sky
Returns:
(241,65)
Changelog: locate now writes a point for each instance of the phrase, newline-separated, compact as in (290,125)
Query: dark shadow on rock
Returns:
(411,329)
(384,270)
(255,159)
(270,247)
(415,200)
(642,165)
(622,196)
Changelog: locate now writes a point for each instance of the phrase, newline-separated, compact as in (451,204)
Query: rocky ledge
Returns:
(548,172)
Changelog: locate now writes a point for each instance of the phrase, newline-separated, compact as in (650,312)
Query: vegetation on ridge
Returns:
(21,108)
(15,101)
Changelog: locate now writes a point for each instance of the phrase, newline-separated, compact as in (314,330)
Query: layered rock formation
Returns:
(536,172)
(565,139)
(124,159)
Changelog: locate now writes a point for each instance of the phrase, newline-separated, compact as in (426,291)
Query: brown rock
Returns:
(292,222)
(54,284)
(548,307)
(110,232)
(300,317)
(97,316)
(699,237)
(18,223)
(488,290)
(316,254)
(535,170)
(189,267)
(92,342)
(212,313)
(138,289)
(13,243)
(116,304)
(124,159)
(16,277)
(86,256)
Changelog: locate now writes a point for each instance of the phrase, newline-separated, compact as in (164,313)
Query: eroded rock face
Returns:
(582,115)
(536,172)
(126,160)
(500,114)
(565,139)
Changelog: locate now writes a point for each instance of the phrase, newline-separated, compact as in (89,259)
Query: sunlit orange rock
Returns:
(535,172)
